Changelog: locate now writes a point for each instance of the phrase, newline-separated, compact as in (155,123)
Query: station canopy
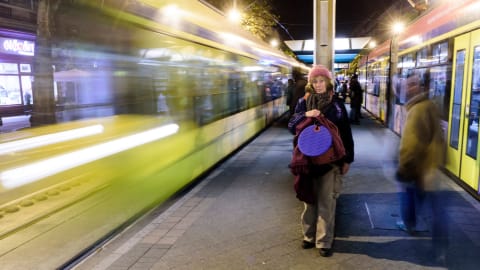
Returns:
(345,49)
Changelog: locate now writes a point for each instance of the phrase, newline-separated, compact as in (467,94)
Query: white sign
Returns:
(17,46)
(341,65)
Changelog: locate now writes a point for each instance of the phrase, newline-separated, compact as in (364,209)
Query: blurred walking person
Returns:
(421,153)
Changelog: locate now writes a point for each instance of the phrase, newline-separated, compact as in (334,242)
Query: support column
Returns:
(324,32)
(390,96)
(43,95)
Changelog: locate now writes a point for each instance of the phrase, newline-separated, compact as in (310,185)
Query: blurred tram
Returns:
(443,46)
(149,95)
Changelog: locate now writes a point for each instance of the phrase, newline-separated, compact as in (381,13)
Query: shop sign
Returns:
(16,46)
(341,65)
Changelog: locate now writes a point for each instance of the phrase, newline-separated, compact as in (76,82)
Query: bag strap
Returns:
(336,139)
(327,123)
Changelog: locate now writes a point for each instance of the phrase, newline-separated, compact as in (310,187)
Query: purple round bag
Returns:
(314,140)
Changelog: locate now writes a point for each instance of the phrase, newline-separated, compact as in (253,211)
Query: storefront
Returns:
(16,72)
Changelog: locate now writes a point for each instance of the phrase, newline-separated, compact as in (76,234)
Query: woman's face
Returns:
(319,84)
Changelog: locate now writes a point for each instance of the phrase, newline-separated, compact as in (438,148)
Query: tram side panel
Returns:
(443,48)
(129,79)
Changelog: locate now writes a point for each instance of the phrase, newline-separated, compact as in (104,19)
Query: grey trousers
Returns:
(318,220)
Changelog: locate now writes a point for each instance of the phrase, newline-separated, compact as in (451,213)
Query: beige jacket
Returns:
(421,145)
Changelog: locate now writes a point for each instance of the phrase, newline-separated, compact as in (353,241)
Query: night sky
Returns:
(297,16)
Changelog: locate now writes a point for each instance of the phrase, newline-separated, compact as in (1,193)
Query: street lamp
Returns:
(397,28)
(274,43)
(234,15)
(238,13)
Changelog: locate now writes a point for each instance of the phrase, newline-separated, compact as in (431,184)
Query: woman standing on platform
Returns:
(318,217)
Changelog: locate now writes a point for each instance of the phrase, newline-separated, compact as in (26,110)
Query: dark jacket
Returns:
(356,94)
(337,114)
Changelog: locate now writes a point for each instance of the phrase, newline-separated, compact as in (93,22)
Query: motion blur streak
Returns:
(43,140)
(26,174)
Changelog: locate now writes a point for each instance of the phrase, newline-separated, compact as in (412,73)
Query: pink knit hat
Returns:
(319,70)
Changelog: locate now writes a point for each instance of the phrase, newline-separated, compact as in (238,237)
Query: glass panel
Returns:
(408,65)
(27,90)
(408,62)
(457,99)
(25,68)
(422,58)
(443,52)
(423,73)
(440,53)
(472,137)
(435,54)
(20,3)
(439,88)
(400,63)
(10,90)
(377,80)
(8,68)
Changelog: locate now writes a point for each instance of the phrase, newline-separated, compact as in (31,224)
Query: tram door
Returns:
(462,148)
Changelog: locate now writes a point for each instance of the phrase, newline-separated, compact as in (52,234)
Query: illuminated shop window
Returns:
(10,90)
(11,84)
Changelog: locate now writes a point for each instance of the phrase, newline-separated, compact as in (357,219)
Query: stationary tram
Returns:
(443,46)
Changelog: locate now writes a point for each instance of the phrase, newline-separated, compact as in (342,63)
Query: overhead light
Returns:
(234,15)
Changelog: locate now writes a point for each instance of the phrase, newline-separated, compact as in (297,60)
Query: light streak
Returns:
(43,140)
(35,171)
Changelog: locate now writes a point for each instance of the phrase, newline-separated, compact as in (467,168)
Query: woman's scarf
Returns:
(318,101)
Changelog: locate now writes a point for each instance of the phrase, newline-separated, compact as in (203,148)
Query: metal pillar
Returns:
(324,32)
(390,96)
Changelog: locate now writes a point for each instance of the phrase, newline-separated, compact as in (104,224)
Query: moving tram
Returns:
(147,96)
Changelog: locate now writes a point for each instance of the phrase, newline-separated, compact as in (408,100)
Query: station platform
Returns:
(244,215)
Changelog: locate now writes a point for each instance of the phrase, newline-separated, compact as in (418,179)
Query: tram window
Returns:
(472,137)
(408,65)
(377,79)
(424,78)
(457,99)
(440,77)
(422,59)
(408,62)
(440,53)
(400,64)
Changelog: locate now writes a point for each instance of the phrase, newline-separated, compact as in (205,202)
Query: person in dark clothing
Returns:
(290,91)
(300,109)
(344,90)
(318,218)
(356,99)
(299,90)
